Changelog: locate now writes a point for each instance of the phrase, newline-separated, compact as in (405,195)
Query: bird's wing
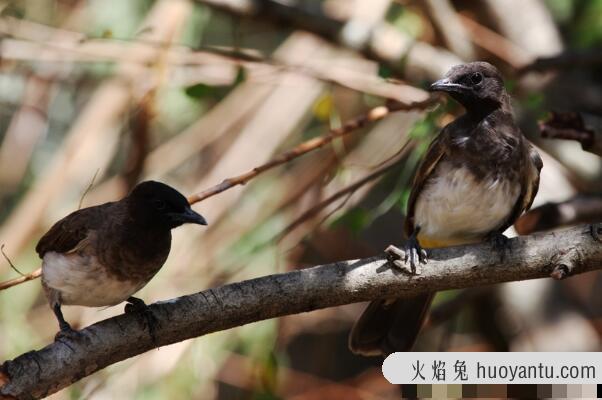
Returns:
(67,233)
(529,186)
(434,154)
(536,164)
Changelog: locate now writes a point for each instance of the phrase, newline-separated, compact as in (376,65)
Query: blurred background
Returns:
(105,93)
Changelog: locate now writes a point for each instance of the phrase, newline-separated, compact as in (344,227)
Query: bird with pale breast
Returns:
(478,176)
(101,255)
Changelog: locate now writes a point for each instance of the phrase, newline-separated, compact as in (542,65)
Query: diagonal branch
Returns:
(375,114)
(17,281)
(347,191)
(581,127)
(39,373)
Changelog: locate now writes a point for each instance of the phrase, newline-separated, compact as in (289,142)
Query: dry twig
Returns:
(373,115)
(9,261)
(346,191)
(24,278)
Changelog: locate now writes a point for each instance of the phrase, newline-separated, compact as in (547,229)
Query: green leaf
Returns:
(384,71)
(241,76)
(199,91)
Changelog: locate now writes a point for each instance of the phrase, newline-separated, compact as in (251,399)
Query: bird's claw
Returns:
(136,305)
(66,332)
(499,242)
(409,258)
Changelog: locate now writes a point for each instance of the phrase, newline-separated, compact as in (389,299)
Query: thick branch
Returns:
(39,373)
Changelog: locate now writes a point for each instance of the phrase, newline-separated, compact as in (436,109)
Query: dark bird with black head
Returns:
(477,177)
(101,255)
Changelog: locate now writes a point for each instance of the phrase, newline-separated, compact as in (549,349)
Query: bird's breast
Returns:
(456,207)
(80,279)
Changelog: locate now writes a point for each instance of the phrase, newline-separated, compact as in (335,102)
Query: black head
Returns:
(476,85)
(156,204)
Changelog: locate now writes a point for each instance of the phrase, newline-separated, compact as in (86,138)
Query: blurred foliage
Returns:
(588,28)
(406,19)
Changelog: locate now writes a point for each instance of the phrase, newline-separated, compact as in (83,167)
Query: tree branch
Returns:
(17,281)
(39,373)
(578,210)
(373,115)
(581,127)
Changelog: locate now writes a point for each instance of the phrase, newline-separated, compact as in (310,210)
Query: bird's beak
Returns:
(189,216)
(445,85)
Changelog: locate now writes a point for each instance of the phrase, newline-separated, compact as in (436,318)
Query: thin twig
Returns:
(38,272)
(373,115)
(349,190)
(81,199)
(17,281)
(9,261)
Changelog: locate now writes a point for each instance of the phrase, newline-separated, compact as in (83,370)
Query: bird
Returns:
(101,255)
(478,175)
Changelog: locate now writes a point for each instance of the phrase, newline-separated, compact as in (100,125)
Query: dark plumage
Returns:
(101,255)
(478,176)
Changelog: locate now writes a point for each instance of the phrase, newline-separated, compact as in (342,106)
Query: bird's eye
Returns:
(476,78)
(159,204)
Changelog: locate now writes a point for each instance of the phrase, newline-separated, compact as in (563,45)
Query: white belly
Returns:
(455,206)
(80,280)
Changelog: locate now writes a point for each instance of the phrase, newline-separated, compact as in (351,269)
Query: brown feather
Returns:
(66,233)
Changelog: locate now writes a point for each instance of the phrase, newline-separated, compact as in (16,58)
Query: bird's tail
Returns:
(389,325)
(23,278)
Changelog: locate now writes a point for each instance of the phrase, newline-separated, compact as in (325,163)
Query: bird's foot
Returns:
(499,241)
(138,306)
(409,258)
(66,332)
